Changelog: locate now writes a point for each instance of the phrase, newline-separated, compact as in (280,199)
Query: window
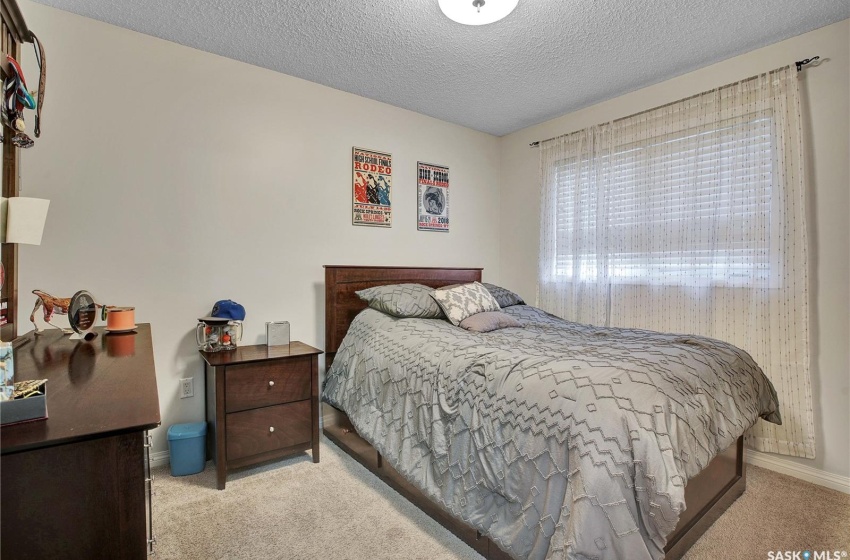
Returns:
(691,207)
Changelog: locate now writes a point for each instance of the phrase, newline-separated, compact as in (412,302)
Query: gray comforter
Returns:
(557,440)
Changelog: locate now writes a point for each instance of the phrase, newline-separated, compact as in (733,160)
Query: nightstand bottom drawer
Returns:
(265,429)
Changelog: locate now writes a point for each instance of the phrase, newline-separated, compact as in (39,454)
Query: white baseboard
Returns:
(809,474)
(159,458)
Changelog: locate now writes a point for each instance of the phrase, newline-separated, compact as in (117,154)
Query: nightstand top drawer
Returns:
(259,353)
(261,384)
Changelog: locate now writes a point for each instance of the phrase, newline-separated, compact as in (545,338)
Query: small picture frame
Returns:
(277,333)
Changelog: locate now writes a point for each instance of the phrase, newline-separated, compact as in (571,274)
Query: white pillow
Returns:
(460,302)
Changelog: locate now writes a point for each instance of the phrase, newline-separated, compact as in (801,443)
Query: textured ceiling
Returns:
(548,58)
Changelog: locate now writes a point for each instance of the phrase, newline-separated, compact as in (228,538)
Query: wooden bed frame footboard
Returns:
(707,495)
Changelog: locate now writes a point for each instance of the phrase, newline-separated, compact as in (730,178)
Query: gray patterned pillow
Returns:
(505,297)
(462,301)
(402,300)
(489,321)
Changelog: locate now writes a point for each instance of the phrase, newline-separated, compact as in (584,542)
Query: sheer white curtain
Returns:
(689,218)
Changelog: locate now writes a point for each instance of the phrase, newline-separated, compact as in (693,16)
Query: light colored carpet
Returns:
(295,509)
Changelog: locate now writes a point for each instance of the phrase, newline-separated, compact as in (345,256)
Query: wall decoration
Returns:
(372,179)
(52,305)
(433,195)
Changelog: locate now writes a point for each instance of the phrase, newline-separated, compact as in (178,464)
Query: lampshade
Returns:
(23,220)
(477,12)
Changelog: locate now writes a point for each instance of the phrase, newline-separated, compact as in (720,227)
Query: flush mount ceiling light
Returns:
(477,12)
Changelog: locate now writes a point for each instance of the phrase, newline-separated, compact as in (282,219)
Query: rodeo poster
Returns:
(433,195)
(372,175)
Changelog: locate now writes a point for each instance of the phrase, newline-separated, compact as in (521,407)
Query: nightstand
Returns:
(262,404)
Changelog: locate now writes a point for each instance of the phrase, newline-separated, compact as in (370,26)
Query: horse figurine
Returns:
(52,305)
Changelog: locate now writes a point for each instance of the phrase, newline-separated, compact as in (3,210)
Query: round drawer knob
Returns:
(271,428)
(271,383)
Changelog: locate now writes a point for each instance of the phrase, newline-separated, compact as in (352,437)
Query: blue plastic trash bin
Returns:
(187,448)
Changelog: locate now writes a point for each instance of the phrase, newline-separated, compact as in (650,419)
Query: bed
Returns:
(720,480)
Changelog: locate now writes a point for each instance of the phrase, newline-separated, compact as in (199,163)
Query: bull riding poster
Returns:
(372,177)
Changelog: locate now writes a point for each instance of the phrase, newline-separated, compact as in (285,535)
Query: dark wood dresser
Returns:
(262,404)
(77,485)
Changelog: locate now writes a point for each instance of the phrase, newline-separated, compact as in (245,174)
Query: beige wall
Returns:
(178,177)
(827,111)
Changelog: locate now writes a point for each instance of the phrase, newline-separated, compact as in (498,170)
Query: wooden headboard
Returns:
(342,304)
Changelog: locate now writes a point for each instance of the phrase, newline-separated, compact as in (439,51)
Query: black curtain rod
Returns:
(799,64)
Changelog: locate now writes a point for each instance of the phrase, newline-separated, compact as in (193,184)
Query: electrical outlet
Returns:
(187,387)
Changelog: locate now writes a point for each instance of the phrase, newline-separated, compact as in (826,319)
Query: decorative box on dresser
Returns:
(262,404)
(78,484)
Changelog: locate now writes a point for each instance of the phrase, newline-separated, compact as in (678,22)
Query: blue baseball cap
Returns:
(228,309)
